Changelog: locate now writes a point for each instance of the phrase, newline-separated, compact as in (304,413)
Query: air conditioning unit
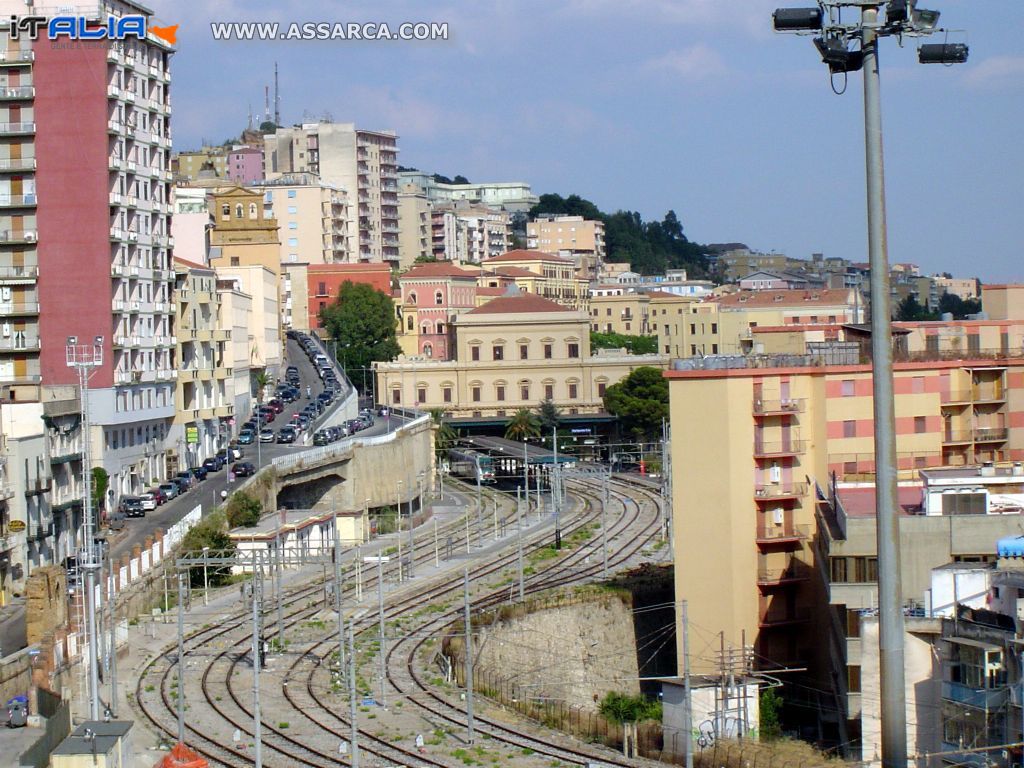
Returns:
(7,330)
(778,516)
(775,474)
(30,237)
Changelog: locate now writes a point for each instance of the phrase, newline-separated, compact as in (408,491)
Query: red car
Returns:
(158,495)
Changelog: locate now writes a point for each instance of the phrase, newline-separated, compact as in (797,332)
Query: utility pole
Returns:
(479,510)
(412,539)
(557,497)
(519,542)
(380,620)
(666,477)
(604,526)
(494,507)
(256,641)
(279,556)
(469,662)
(337,598)
(398,524)
(83,357)
(113,640)
(687,693)
(181,658)
(352,694)
(437,553)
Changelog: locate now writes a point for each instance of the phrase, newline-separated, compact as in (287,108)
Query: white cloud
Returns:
(996,72)
(698,62)
(752,16)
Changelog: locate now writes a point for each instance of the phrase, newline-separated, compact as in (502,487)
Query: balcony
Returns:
(17,201)
(991,434)
(17,164)
(784,618)
(19,342)
(779,450)
(15,58)
(37,486)
(775,492)
(16,236)
(954,436)
(66,458)
(786,407)
(771,577)
(19,273)
(8,309)
(979,698)
(782,534)
(17,93)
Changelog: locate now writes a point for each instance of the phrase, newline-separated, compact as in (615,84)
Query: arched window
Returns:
(225,211)
(426,328)
(412,297)
(252,210)
(428,350)
(439,298)
(238,211)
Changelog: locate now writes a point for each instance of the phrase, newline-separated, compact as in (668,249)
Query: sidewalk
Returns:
(12,626)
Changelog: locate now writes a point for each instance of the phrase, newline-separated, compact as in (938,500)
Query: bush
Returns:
(243,511)
(210,532)
(622,708)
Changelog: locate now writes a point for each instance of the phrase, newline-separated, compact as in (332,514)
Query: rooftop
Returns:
(1012,473)
(784,298)
(436,269)
(349,268)
(523,255)
(514,272)
(859,500)
(526,303)
(287,519)
(103,737)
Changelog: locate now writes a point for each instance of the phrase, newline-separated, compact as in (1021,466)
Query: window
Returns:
(291,193)
(853,678)
(693,350)
(321,289)
(524,391)
(446,394)
(524,351)
(693,329)
(428,350)
(601,386)
(920,425)
(852,623)
(293,209)
(917,386)
(474,353)
(410,323)
(225,211)
(421,395)
(439,298)
(499,393)
(963,503)
(238,211)
(714,349)
(293,242)
(498,352)
(714,327)
(476,394)
(573,391)
(252,210)
(850,428)
(293,225)
(549,391)
(574,349)
(849,389)
(396,396)
(547,351)
(412,297)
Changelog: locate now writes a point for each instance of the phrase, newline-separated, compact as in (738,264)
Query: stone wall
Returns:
(46,602)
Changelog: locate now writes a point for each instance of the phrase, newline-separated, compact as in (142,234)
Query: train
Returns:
(471,465)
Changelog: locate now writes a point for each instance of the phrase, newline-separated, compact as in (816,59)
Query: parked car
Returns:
(170,490)
(243,469)
(185,480)
(132,506)
(231,453)
(212,464)
(156,493)
(266,435)
(383,411)
(148,502)
(246,437)
(321,437)
(286,435)
(276,405)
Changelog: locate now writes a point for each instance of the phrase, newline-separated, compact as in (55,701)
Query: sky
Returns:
(651,105)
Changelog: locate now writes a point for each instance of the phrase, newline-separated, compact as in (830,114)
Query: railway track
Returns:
(311,705)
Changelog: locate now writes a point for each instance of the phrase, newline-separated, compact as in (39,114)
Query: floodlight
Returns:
(797,19)
(72,340)
(899,11)
(924,21)
(942,53)
(839,58)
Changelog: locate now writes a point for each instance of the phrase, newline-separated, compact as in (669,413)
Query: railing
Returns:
(16,57)
(980,698)
(990,434)
(784,448)
(13,201)
(18,164)
(779,575)
(771,491)
(17,235)
(778,619)
(17,92)
(789,405)
(957,436)
(26,272)
(29,308)
(17,128)
(18,343)
(783,532)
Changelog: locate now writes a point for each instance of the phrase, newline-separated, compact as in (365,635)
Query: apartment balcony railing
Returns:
(17,129)
(17,164)
(13,58)
(22,343)
(768,534)
(778,407)
(767,577)
(763,450)
(979,698)
(785,618)
(779,491)
(951,436)
(8,309)
(991,434)
(18,235)
(17,201)
(17,93)
(66,458)
(17,273)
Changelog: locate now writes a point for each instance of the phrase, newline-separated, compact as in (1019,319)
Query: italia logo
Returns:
(83,28)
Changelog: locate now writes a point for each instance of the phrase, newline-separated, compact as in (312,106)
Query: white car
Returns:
(148,501)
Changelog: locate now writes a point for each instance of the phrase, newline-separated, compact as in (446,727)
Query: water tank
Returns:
(1018,469)
(947,317)
(988,469)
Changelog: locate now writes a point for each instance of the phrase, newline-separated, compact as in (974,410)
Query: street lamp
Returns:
(834,38)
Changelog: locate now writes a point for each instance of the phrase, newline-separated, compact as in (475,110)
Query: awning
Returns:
(1010,546)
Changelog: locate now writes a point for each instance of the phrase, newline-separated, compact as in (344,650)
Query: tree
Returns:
(362,318)
(625,710)
(640,401)
(550,416)
(523,425)
(911,310)
(635,345)
(424,259)
(100,481)
(268,126)
(959,308)
(460,179)
(209,532)
(770,718)
(444,435)
(243,510)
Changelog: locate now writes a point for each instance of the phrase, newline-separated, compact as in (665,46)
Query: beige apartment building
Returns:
(574,237)
(363,163)
(964,287)
(205,376)
(415,226)
(1003,302)
(188,165)
(235,317)
(243,234)
(726,325)
(542,274)
(511,353)
(261,285)
(753,441)
(312,218)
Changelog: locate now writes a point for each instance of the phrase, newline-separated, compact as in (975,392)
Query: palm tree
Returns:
(550,416)
(261,380)
(523,425)
(444,435)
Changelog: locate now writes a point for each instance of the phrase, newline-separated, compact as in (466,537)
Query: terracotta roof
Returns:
(785,298)
(488,291)
(522,255)
(666,295)
(438,269)
(859,501)
(526,303)
(515,272)
(190,264)
(327,268)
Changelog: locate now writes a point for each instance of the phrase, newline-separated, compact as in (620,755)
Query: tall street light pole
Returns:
(838,45)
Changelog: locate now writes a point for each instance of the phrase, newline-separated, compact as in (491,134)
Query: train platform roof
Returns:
(500,446)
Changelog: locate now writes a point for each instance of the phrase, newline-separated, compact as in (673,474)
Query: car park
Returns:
(266,435)
(243,469)
(132,506)
(170,490)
